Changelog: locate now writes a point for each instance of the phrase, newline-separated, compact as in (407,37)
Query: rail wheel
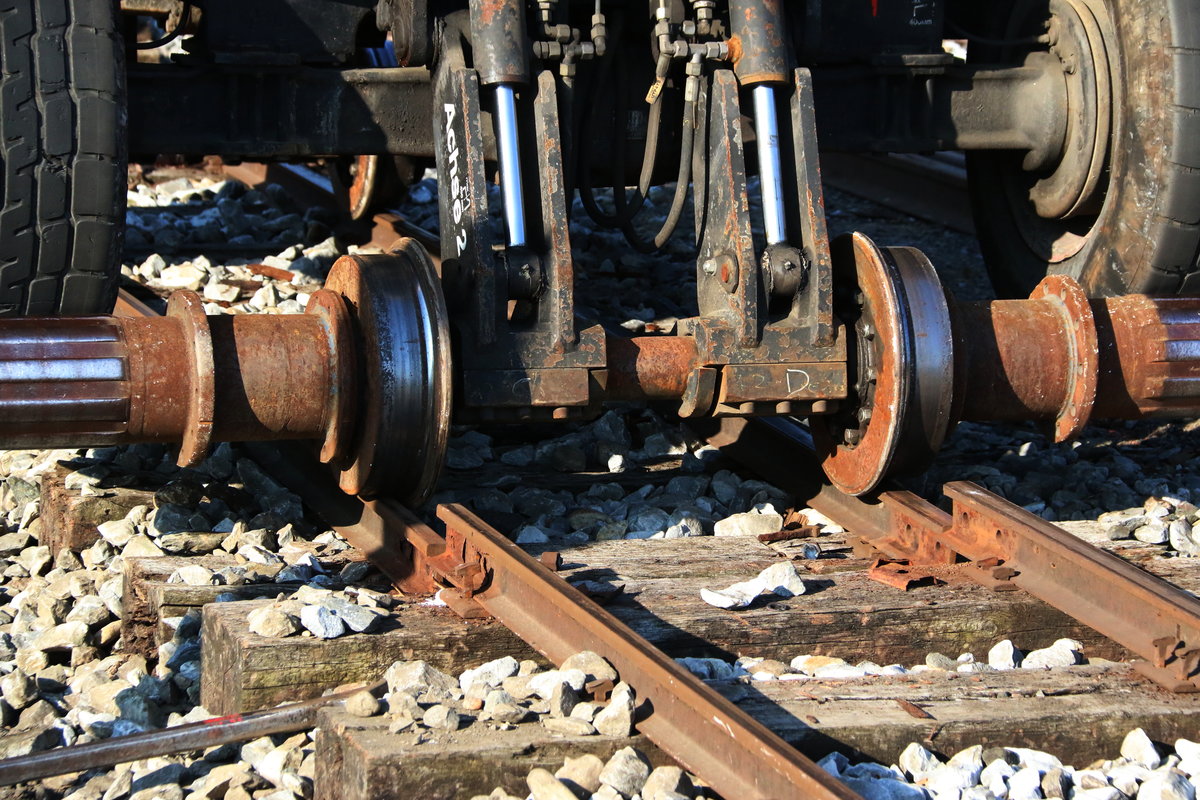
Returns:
(1121,211)
(403,424)
(902,366)
(364,185)
(61,132)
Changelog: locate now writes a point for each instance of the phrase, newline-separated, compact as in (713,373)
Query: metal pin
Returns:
(510,166)
(770,169)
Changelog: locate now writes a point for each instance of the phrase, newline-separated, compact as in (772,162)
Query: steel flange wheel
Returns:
(904,364)
(401,323)
(1119,211)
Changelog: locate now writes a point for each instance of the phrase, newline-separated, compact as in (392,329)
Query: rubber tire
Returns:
(62,123)
(1146,237)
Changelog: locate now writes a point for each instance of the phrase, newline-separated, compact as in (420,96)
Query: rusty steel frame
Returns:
(1143,613)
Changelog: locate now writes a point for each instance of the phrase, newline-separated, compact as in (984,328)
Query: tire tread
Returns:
(62,175)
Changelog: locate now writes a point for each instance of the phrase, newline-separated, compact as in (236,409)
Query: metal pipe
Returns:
(510,166)
(649,367)
(1019,361)
(182,738)
(1016,357)
(770,165)
(1149,356)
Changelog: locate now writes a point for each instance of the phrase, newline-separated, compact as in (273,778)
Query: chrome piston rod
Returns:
(770,164)
(510,166)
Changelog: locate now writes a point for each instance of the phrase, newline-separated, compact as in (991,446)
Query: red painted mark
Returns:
(232,718)
(874,8)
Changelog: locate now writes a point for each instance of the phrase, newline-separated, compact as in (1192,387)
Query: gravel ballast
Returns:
(64,678)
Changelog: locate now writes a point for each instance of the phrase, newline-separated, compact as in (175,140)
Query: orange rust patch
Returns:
(735,48)
(488,9)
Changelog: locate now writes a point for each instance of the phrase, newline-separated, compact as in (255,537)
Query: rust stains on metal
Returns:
(185,377)
(490,9)
(286,390)
(649,367)
(913,710)
(706,733)
(901,575)
(1149,356)
(734,43)
(791,534)
(1007,378)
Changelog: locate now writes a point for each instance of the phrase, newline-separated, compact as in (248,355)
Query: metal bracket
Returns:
(731,288)
(537,360)
(992,574)
(1173,665)
(817,301)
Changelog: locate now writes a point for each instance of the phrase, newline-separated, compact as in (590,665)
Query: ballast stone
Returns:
(626,771)
(748,523)
(322,622)
(780,579)
(544,786)
(1004,655)
(616,719)
(1063,653)
(1138,747)
(1168,785)
(272,622)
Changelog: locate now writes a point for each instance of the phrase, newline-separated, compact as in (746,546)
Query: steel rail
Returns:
(928,187)
(182,738)
(735,754)
(1143,613)
(315,189)
(706,733)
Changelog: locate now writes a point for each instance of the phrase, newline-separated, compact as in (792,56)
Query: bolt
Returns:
(864,414)
(709,267)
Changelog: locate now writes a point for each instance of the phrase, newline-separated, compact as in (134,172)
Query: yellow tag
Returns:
(655,90)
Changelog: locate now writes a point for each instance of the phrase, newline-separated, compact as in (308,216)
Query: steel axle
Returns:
(366,371)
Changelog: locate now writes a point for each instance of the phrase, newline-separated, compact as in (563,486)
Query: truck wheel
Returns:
(1136,228)
(62,121)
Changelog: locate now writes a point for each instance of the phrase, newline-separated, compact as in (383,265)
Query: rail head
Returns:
(706,733)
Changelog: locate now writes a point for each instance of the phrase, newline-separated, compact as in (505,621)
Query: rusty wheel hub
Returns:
(905,368)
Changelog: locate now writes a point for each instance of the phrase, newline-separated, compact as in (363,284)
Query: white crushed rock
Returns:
(779,580)
(1142,770)
(1002,656)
